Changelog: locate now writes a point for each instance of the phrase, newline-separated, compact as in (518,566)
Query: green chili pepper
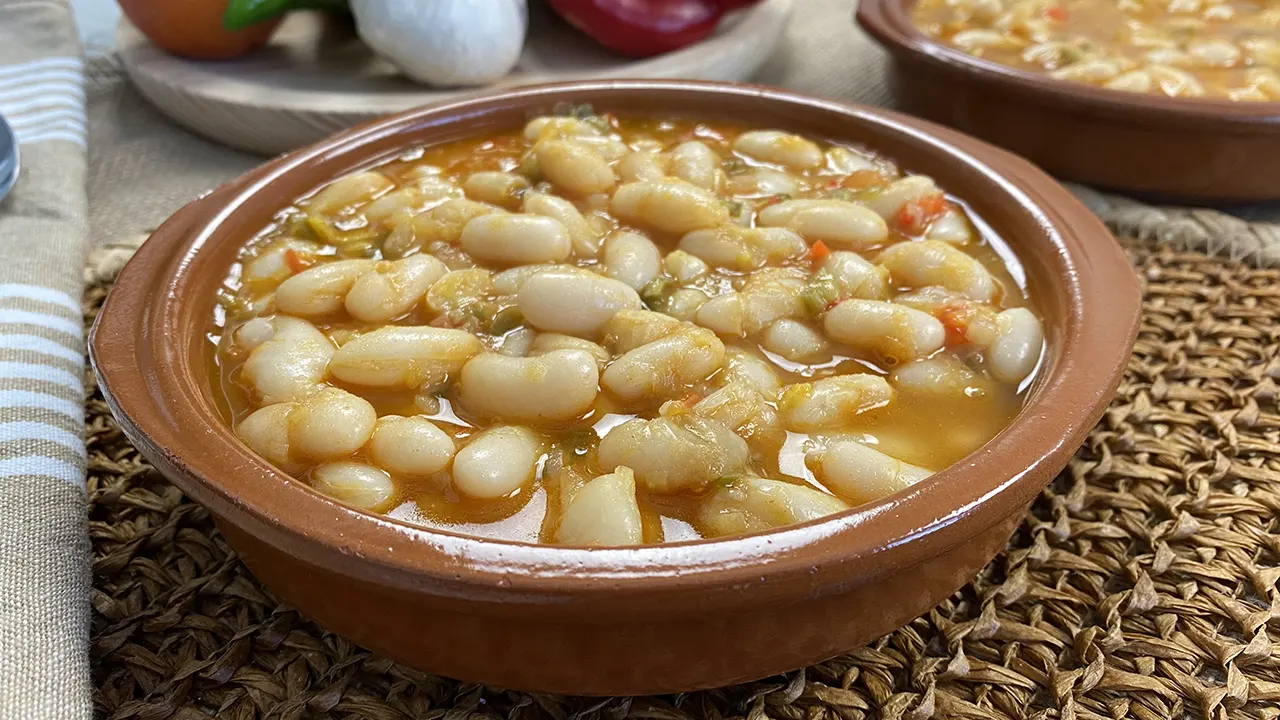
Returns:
(241,14)
(655,294)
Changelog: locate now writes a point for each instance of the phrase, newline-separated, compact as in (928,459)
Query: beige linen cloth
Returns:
(44,548)
(141,169)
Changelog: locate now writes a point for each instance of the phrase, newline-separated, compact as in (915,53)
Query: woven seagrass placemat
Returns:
(1144,583)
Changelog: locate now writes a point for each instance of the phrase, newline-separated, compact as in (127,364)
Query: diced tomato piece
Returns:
(833,183)
(863,180)
(955,319)
(296,262)
(818,253)
(1057,13)
(915,216)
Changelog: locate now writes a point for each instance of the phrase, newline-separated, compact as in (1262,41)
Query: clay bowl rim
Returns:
(170,414)
(889,23)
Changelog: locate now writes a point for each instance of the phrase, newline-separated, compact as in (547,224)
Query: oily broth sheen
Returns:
(918,428)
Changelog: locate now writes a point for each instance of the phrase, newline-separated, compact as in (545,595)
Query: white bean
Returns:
(574,166)
(981,38)
(586,243)
(741,365)
(835,222)
(550,342)
(752,504)
(553,387)
(575,303)
(942,375)
(859,473)
(604,513)
(895,331)
(357,484)
(951,227)
(763,182)
(674,454)
(510,281)
(738,248)
(542,128)
(683,266)
(1174,82)
(629,329)
(320,290)
(779,148)
(643,165)
(496,188)
(1133,81)
(266,432)
(631,258)
(934,262)
(252,333)
(391,288)
(1017,347)
(795,341)
(403,356)
(723,315)
(685,303)
(744,409)
(832,402)
(394,205)
(497,462)
(444,223)
(331,424)
(427,180)
(847,161)
(856,277)
(768,295)
(410,446)
(518,342)
(665,367)
(669,205)
(453,294)
(271,263)
(696,163)
(516,239)
(889,202)
(348,191)
(292,364)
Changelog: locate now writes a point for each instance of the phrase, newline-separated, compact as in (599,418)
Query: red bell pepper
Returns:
(641,28)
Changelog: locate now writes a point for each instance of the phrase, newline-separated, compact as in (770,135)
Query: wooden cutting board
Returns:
(316,77)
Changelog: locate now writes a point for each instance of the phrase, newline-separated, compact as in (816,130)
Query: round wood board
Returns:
(316,77)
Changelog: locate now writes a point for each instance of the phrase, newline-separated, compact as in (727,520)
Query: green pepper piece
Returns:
(654,295)
(241,14)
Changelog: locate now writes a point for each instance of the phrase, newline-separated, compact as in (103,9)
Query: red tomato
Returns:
(193,28)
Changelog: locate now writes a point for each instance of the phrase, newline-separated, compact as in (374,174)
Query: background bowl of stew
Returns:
(647,619)
(1187,149)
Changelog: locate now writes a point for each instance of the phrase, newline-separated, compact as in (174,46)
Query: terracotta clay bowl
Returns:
(1176,149)
(651,619)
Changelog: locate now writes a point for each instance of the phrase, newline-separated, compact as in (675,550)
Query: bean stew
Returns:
(597,330)
(1225,49)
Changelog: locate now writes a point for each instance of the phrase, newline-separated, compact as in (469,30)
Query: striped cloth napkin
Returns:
(44,547)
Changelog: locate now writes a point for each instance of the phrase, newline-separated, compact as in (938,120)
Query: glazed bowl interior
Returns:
(895,16)
(1078,280)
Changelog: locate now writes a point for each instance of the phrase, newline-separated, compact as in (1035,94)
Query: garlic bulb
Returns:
(445,42)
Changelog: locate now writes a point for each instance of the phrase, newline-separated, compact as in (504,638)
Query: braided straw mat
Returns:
(1144,583)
